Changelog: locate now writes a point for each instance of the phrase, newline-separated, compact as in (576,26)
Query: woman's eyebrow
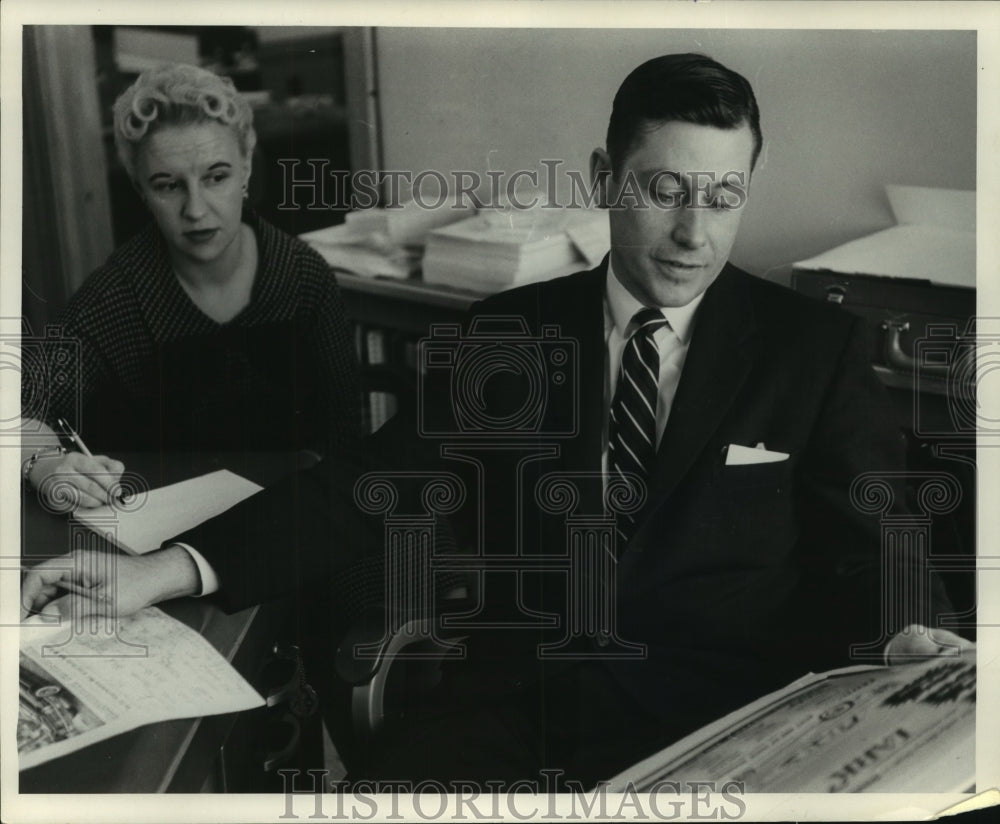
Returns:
(219,164)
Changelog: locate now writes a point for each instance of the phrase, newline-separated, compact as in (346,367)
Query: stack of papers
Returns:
(383,242)
(504,248)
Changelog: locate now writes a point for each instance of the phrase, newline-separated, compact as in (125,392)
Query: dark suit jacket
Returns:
(738,577)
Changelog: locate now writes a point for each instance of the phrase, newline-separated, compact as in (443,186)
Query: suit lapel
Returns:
(576,304)
(583,322)
(718,361)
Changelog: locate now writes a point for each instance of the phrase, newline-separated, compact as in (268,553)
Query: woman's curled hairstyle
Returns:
(174,95)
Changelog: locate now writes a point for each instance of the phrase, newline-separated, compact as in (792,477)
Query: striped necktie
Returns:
(632,427)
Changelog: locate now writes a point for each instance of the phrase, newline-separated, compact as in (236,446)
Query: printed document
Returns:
(80,687)
(907,728)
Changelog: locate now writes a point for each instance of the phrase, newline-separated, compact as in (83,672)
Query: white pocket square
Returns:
(737,455)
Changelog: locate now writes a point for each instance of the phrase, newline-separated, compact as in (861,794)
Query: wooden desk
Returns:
(220,753)
(407,306)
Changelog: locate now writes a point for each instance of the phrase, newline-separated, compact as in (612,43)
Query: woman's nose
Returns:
(194,204)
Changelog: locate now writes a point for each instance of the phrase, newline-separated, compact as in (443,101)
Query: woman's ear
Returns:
(247,165)
(142,195)
(600,171)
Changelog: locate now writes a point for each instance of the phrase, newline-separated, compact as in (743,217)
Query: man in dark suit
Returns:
(710,425)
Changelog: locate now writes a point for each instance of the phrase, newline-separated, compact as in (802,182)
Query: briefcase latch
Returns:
(836,292)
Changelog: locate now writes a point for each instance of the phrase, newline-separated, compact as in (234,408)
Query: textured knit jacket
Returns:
(137,366)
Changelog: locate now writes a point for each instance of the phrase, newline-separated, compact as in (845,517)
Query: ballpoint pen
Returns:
(93,593)
(70,433)
(77,589)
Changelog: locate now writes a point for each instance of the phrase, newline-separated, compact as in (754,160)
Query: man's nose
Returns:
(194,204)
(689,227)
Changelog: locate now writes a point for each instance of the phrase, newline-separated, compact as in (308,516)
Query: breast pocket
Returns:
(776,475)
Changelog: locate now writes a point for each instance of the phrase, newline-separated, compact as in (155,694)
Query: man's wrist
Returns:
(209,581)
(175,573)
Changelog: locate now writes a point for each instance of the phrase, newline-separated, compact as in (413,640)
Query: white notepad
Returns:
(142,524)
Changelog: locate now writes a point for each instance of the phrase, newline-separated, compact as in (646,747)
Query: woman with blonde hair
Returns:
(210,329)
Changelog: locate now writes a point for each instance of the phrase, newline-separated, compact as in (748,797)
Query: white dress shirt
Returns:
(209,580)
(672,341)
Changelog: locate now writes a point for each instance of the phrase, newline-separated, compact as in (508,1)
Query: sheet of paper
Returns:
(926,206)
(591,235)
(362,260)
(935,240)
(80,687)
(143,524)
(861,729)
(939,254)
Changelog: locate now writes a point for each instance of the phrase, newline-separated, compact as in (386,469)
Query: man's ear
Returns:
(600,172)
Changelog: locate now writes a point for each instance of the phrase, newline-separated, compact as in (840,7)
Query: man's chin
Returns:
(677,295)
(675,292)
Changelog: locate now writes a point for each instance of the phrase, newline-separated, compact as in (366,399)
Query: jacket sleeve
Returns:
(297,536)
(860,585)
(309,537)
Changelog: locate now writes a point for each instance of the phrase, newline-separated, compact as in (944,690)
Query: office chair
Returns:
(383,666)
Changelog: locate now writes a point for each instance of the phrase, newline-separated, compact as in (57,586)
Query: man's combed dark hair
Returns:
(691,88)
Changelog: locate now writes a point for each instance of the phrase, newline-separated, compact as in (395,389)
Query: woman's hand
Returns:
(74,479)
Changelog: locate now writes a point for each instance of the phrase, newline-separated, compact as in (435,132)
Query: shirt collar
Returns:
(621,308)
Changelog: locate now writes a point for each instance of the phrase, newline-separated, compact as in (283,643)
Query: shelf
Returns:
(413,289)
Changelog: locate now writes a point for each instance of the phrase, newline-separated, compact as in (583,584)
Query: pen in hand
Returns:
(70,433)
(77,589)
(77,441)
(41,615)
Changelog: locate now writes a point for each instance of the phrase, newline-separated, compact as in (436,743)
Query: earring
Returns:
(246,190)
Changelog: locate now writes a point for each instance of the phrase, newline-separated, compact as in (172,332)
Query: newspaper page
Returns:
(908,728)
(77,688)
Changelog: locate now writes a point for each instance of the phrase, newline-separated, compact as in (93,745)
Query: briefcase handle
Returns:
(897,359)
